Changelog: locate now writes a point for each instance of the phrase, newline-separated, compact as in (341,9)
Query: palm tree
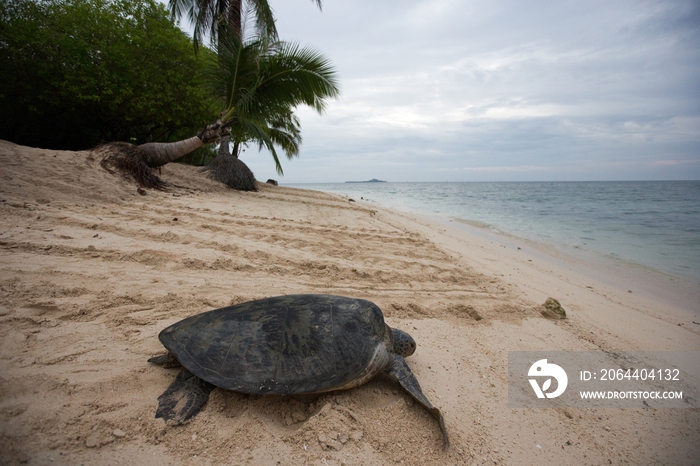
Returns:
(208,16)
(215,18)
(260,81)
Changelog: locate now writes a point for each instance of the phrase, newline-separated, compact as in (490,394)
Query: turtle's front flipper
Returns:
(184,398)
(401,372)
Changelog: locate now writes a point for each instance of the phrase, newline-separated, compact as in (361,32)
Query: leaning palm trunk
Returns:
(157,154)
(138,162)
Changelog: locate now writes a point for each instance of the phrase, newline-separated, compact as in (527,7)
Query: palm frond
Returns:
(261,134)
(298,76)
(183,9)
(262,80)
(265,19)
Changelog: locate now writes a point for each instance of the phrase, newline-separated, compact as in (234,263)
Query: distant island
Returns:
(373,180)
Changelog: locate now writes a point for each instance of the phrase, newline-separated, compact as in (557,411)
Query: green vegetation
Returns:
(79,72)
(210,17)
(260,82)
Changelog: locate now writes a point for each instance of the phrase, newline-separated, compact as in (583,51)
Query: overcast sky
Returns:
(499,90)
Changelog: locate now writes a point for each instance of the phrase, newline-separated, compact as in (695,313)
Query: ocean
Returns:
(647,224)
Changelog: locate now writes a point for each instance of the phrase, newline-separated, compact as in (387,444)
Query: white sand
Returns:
(91,272)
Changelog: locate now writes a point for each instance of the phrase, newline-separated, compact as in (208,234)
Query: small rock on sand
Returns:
(93,440)
(551,309)
(328,443)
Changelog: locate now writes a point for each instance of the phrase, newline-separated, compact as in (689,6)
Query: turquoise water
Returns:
(654,224)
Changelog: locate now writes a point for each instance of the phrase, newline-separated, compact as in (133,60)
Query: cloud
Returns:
(509,89)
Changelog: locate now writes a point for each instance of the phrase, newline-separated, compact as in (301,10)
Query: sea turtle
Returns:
(284,345)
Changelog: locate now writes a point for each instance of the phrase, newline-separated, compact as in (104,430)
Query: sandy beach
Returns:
(91,271)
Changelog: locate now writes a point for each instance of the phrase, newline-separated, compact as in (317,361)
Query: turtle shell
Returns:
(284,345)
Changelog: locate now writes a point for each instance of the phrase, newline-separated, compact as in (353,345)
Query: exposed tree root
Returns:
(126,159)
(228,169)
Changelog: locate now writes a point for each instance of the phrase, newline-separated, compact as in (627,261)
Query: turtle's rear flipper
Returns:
(184,398)
(401,372)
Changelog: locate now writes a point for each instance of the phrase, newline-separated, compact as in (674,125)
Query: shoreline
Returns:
(624,275)
(535,272)
(93,271)
(576,250)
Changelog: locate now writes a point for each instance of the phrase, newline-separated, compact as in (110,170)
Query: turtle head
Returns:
(404,344)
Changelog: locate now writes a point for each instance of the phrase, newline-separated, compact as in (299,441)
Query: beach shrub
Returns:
(76,73)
